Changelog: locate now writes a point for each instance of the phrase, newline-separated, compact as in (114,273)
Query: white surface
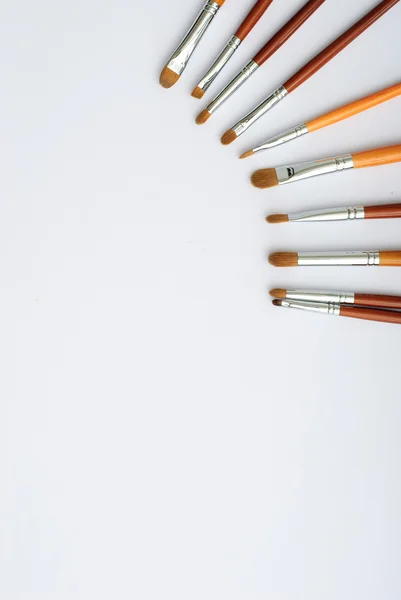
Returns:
(165,432)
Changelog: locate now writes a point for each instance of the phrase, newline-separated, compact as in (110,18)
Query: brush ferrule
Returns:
(318,296)
(337,259)
(283,138)
(312,169)
(181,56)
(219,63)
(233,86)
(324,308)
(260,110)
(351,213)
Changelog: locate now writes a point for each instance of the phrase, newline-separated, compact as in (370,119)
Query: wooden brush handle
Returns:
(287,31)
(252,18)
(339,44)
(377,157)
(371,314)
(386,211)
(390,259)
(378,301)
(349,110)
(219,2)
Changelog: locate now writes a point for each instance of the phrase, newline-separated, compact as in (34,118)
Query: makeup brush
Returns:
(352,213)
(363,258)
(179,60)
(338,310)
(344,112)
(257,11)
(369,300)
(308,70)
(267,178)
(261,57)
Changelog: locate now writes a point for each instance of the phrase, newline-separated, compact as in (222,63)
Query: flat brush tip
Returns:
(168,78)
(276,302)
(264,178)
(277,219)
(278,293)
(202,117)
(246,154)
(284,259)
(228,137)
(197,93)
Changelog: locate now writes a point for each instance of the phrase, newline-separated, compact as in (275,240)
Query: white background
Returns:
(165,432)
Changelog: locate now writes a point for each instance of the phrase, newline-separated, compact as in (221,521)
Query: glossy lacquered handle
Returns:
(219,2)
(339,44)
(287,31)
(377,157)
(258,10)
(377,300)
(390,258)
(371,314)
(386,211)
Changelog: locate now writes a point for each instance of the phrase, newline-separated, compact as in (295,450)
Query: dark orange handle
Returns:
(390,258)
(219,2)
(371,314)
(287,31)
(258,10)
(378,301)
(339,44)
(377,157)
(385,211)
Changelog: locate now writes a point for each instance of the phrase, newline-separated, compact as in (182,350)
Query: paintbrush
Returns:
(179,60)
(363,258)
(308,70)
(261,57)
(257,11)
(351,213)
(367,300)
(267,178)
(339,114)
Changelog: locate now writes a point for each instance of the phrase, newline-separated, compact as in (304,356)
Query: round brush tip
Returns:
(246,154)
(228,137)
(276,302)
(277,219)
(168,78)
(202,117)
(197,93)
(264,178)
(277,293)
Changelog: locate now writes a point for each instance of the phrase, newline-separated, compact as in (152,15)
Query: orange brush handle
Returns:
(219,2)
(349,110)
(383,211)
(377,157)
(371,314)
(390,258)
(258,10)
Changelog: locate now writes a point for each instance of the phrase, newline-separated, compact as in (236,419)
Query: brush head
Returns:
(284,259)
(168,78)
(246,154)
(197,93)
(278,293)
(276,302)
(202,117)
(264,178)
(228,137)
(277,219)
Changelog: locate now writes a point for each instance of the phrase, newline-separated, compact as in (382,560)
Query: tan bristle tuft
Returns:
(202,117)
(264,178)
(197,93)
(168,78)
(228,137)
(284,259)
(246,154)
(277,219)
(278,293)
(276,302)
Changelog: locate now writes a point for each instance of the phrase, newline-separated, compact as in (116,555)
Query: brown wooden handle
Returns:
(390,259)
(371,314)
(287,31)
(258,10)
(349,110)
(339,44)
(377,157)
(385,211)
(378,300)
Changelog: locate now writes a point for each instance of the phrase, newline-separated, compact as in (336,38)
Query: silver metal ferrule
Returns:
(260,110)
(219,63)
(334,259)
(233,86)
(312,169)
(351,213)
(283,138)
(320,296)
(324,308)
(181,56)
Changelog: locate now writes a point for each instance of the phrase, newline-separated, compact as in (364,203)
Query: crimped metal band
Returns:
(351,213)
(283,138)
(312,169)
(368,258)
(232,87)
(260,110)
(219,63)
(320,296)
(324,308)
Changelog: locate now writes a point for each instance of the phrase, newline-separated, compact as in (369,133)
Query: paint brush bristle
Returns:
(197,93)
(168,78)
(246,154)
(278,293)
(284,259)
(277,219)
(228,137)
(202,117)
(276,302)
(264,178)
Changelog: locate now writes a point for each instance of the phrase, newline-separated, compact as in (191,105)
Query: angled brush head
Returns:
(277,219)
(284,259)
(246,154)
(276,302)
(228,137)
(264,178)
(202,117)
(278,293)
(168,78)
(197,93)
